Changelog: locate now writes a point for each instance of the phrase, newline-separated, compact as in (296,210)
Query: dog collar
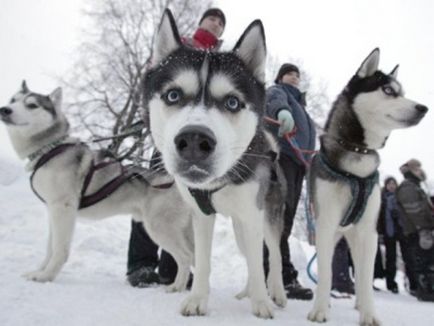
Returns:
(354,147)
(46,148)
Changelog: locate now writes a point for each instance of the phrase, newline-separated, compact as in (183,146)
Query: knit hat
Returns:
(412,166)
(214,12)
(389,179)
(284,69)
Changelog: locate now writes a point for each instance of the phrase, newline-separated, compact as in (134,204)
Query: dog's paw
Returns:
(194,305)
(174,287)
(318,315)
(277,294)
(369,320)
(262,309)
(39,276)
(279,298)
(243,294)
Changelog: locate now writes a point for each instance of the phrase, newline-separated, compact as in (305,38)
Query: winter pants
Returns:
(421,263)
(142,251)
(341,265)
(390,271)
(294,175)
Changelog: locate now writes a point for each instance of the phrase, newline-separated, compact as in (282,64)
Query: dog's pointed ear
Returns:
(166,39)
(370,64)
(24,88)
(252,50)
(394,72)
(56,98)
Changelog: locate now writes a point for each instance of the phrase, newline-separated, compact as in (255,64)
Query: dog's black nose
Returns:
(5,111)
(421,108)
(195,143)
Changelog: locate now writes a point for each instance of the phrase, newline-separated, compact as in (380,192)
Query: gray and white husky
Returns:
(343,179)
(205,112)
(61,177)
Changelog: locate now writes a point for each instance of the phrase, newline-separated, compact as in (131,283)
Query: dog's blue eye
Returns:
(232,103)
(173,96)
(389,91)
(32,106)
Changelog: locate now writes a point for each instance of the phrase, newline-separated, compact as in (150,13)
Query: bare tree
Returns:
(105,83)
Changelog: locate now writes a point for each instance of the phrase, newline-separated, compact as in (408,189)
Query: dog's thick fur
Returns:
(34,121)
(368,109)
(205,112)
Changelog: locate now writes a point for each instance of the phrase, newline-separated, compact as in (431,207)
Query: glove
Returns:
(286,122)
(426,239)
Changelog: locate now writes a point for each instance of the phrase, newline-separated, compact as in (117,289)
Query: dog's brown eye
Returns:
(32,106)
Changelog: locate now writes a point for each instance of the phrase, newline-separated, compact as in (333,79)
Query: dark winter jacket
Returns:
(286,97)
(415,207)
(203,40)
(389,221)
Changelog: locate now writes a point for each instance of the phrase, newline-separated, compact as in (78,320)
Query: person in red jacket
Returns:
(211,27)
(142,251)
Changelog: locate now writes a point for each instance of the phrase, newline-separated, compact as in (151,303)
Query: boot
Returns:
(425,289)
(143,277)
(294,290)
(392,286)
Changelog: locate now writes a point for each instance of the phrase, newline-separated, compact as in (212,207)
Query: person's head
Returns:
(288,74)
(390,184)
(414,168)
(213,20)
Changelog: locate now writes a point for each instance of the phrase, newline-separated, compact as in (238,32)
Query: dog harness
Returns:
(361,189)
(203,197)
(102,193)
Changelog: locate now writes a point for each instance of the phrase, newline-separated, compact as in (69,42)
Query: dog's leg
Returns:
(364,272)
(181,279)
(356,253)
(62,222)
(275,280)
(252,227)
(325,242)
(49,251)
(196,303)
(239,237)
(47,258)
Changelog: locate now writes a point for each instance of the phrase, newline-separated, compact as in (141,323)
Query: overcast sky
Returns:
(331,37)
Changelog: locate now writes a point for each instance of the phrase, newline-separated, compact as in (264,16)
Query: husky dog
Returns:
(205,111)
(61,177)
(343,179)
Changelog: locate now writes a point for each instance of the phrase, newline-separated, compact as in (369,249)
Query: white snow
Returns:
(91,289)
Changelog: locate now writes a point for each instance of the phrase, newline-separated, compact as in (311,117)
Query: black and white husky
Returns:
(72,180)
(344,178)
(205,112)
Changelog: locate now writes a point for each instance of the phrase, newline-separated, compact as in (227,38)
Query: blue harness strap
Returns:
(361,189)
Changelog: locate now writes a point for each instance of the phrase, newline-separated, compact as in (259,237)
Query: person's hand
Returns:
(426,239)
(286,122)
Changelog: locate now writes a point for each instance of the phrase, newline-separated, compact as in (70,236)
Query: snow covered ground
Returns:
(91,289)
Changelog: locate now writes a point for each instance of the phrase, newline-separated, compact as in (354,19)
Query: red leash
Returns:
(289,138)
